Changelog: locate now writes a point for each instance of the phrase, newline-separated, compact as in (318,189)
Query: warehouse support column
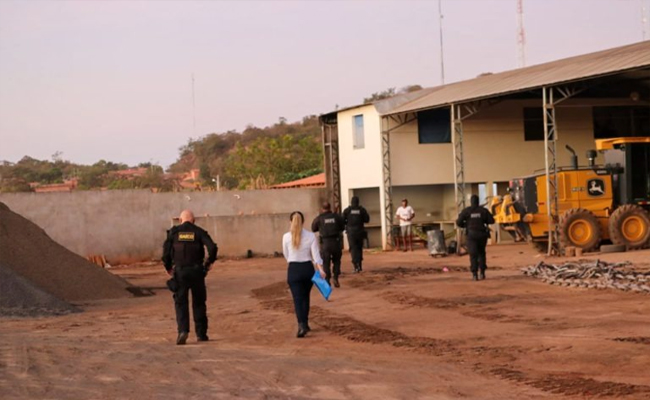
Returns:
(550,164)
(549,103)
(386,188)
(459,113)
(329,130)
(459,165)
(386,199)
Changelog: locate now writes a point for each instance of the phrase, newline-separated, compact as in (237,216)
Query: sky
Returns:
(113,79)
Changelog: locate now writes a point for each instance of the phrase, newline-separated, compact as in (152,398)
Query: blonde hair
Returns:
(296,230)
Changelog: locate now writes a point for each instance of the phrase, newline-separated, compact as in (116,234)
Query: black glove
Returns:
(172,285)
(206,268)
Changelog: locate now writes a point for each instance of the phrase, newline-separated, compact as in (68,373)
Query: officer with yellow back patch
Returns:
(183,257)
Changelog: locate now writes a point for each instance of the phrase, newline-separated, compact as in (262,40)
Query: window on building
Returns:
(358,140)
(533,123)
(619,121)
(434,126)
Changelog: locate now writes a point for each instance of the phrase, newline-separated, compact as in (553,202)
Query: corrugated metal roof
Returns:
(314,180)
(571,69)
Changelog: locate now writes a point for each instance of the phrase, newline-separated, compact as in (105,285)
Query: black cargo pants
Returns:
(192,279)
(355,240)
(476,244)
(331,252)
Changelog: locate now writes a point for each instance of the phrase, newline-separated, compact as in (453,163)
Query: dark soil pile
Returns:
(28,253)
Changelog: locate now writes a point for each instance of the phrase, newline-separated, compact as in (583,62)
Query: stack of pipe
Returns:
(592,274)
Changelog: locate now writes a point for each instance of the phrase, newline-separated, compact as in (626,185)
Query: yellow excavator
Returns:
(596,203)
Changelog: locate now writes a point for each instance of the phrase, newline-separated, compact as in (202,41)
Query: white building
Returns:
(416,146)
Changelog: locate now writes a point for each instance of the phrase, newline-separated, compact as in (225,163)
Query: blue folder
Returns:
(322,285)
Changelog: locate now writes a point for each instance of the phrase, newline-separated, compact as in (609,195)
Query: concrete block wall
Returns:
(130,225)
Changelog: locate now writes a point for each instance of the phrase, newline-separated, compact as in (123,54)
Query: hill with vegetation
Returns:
(255,158)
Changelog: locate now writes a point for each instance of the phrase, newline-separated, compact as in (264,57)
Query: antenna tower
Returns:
(644,20)
(521,35)
(442,55)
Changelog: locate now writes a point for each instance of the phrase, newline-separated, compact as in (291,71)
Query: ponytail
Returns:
(296,228)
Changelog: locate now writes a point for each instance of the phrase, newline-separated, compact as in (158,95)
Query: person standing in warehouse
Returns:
(476,220)
(330,226)
(355,216)
(405,214)
(183,258)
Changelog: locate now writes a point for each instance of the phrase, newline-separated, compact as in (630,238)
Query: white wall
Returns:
(360,168)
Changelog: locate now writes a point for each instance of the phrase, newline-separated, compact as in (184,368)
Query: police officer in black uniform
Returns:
(476,220)
(183,255)
(354,217)
(330,226)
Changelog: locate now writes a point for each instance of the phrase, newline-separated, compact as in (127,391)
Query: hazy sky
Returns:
(112,79)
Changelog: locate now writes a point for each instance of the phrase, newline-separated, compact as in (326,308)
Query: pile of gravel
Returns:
(36,273)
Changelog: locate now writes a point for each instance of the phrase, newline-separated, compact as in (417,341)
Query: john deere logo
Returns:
(596,187)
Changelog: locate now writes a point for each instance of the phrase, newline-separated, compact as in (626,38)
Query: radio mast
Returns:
(521,35)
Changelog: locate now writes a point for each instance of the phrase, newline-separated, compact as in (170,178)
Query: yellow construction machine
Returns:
(596,203)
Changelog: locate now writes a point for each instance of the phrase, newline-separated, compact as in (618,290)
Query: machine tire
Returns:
(629,225)
(612,248)
(580,228)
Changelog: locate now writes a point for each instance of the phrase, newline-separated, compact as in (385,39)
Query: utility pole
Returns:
(442,53)
(521,35)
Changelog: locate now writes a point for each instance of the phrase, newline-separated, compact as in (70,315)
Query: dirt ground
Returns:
(403,329)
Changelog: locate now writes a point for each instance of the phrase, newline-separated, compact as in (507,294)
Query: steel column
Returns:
(549,102)
(331,160)
(386,129)
(386,175)
(550,165)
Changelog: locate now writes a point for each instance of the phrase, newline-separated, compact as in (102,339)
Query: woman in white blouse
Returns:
(300,248)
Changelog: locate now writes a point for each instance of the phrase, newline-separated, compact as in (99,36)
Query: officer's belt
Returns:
(199,265)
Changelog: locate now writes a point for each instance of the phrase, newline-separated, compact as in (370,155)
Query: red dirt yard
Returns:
(403,329)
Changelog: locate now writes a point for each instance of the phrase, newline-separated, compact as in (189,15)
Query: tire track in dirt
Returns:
(379,278)
(277,297)
(637,340)
(570,384)
(472,307)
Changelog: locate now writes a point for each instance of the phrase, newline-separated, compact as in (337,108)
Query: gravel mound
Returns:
(19,298)
(36,261)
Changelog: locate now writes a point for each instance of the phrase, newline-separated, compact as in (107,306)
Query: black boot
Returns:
(474,276)
(360,267)
(482,276)
(202,338)
(182,338)
(336,282)
(356,268)
(302,330)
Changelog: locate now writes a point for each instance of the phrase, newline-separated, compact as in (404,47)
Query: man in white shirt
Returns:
(405,214)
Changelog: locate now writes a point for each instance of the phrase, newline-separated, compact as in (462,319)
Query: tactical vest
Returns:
(355,219)
(188,248)
(476,220)
(328,226)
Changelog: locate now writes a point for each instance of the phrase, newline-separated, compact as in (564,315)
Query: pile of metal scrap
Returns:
(591,274)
